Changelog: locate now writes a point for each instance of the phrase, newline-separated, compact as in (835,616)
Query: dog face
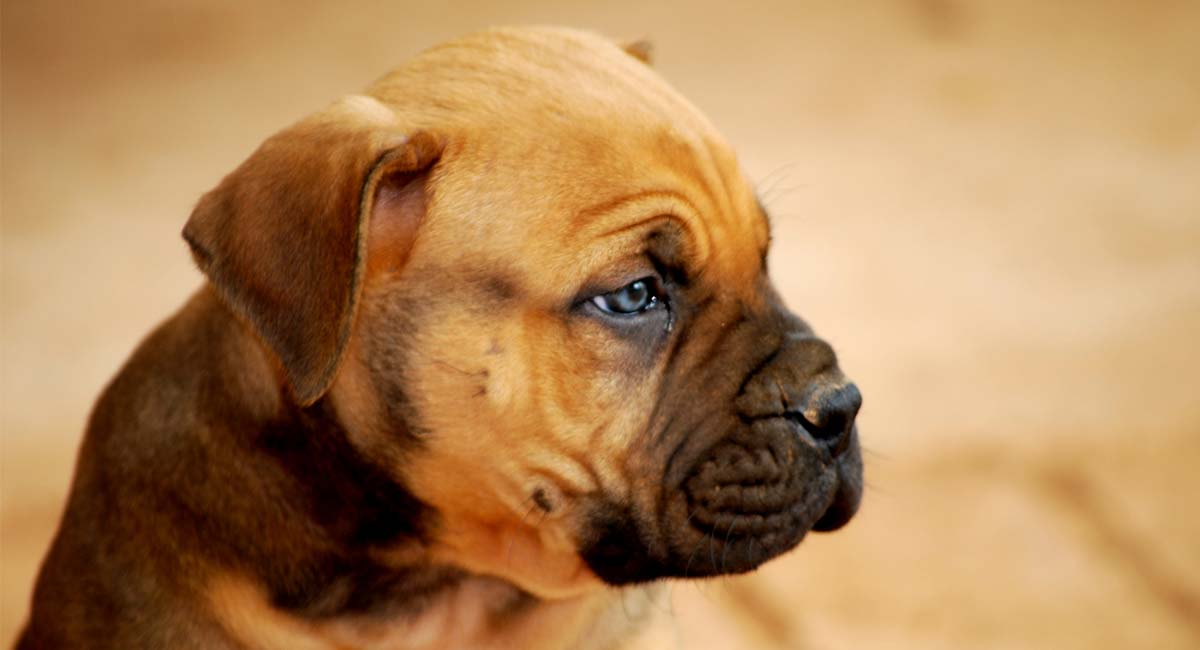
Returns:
(532,281)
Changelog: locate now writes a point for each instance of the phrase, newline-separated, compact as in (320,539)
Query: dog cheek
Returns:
(388,322)
(500,388)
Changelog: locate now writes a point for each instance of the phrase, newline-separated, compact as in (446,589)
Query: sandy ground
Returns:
(992,210)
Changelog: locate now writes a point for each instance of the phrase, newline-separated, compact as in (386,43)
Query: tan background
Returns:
(992,209)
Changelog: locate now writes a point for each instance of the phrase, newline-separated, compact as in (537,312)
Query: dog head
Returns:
(531,280)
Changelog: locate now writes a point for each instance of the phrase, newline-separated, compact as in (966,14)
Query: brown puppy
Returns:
(478,346)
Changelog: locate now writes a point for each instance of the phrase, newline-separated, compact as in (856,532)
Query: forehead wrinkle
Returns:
(695,229)
(733,187)
(677,151)
(723,202)
(705,163)
(590,214)
(743,226)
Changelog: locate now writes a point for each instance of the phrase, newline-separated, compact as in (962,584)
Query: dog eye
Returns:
(636,297)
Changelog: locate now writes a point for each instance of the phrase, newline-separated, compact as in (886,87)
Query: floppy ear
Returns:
(283,238)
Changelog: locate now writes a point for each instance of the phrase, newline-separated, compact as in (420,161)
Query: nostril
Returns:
(830,415)
(820,432)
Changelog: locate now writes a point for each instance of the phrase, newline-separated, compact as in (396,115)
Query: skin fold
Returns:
(407,410)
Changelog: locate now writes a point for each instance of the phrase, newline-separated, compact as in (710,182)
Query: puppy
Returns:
(478,349)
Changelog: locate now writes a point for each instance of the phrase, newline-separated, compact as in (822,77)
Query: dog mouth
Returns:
(753,492)
(749,498)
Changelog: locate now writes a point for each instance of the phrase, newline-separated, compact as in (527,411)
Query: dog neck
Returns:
(430,612)
(459,613)
(475,612)
(468,611)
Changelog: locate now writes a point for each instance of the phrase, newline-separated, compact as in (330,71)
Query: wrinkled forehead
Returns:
(562,146)
(601,189)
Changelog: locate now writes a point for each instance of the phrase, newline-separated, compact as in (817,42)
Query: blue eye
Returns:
(636,297)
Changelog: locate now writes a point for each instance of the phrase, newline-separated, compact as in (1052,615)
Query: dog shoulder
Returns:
(119,555)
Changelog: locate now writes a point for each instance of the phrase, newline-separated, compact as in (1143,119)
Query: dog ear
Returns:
(641,49)
(283,238)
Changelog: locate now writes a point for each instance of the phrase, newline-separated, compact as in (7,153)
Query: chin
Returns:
(748,499)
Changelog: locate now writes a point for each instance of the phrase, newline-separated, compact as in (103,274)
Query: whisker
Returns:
(875,488)
(874,453)
(725,551)
(692,555)
(778,192)
(773,178)
(508,552)
(532,506)
(712,558)
(524,520)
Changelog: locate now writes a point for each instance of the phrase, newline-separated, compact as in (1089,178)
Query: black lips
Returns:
(750,498)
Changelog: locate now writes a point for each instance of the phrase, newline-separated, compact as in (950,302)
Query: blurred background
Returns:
(992,209)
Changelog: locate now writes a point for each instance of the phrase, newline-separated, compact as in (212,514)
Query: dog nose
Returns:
(801,382)
(828,416)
